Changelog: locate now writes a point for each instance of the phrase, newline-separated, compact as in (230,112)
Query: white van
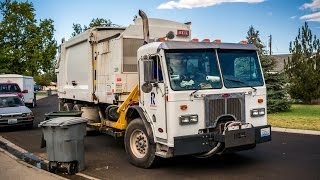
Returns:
(26,84)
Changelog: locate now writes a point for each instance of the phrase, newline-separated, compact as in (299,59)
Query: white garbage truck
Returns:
(167,94)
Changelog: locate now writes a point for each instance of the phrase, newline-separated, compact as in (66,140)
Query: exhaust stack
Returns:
(145,26)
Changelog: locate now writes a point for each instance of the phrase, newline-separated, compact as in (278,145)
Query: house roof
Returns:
(280,59)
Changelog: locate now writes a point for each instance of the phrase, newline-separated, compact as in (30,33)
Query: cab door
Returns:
(154,102)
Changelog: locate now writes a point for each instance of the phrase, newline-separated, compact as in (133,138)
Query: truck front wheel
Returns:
(140,150)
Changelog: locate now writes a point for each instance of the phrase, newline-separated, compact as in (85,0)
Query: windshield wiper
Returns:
(239,81)
(194,92)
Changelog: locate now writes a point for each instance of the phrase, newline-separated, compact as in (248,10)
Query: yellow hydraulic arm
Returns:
(121,124)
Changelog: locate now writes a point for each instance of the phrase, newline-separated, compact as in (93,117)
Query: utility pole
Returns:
(270,45)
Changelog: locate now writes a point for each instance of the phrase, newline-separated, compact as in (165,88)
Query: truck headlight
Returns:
(258,112)
(188,119)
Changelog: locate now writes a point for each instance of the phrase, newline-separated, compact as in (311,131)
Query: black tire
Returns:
(52,167)
(142,154)
(30,126)
(111,112)
(77,107)
(33,104)
(67,107)
(72,168)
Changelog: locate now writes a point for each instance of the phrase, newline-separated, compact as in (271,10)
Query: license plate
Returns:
(265,132)
(12,121)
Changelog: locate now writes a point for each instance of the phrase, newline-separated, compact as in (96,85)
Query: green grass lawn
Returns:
(42,93)
(300,117)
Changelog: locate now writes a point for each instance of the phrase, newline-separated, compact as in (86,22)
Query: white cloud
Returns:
(314,5)
(311,17)
(293,17)
(189,4)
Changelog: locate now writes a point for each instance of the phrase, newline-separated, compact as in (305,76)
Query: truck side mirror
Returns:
(148,70)
(25,91)
(148,75)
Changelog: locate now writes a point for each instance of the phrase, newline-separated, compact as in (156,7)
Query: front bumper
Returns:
(19,122)
(233,140)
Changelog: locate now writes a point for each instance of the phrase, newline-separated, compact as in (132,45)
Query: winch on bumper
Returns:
(233,140)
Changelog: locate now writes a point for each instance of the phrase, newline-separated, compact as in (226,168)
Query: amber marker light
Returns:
(162,39)
(183,107)
(195,40)
(206,40)
(260,100)
(217,41)
(244,42)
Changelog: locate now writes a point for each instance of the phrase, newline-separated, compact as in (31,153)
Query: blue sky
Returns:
(227,20)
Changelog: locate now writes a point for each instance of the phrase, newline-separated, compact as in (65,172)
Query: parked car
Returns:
(37,87)
(13,112)
(26,84)
(11,88)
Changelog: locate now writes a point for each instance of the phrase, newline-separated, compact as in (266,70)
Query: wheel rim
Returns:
(139,143)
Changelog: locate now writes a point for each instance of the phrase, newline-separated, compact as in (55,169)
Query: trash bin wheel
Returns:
(52,167)
(72,168)
(139,147)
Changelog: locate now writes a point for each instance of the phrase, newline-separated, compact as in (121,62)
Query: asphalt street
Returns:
(287,156)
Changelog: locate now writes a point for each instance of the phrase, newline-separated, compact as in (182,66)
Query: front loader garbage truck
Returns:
(167,95)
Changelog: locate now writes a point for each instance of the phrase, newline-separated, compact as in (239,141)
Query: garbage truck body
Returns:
(170,98)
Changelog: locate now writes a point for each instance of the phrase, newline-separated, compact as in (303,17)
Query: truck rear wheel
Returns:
(67,106)
(139,149)
(77,107)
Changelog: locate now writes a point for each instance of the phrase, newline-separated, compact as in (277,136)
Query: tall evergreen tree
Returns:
(304,66)
(276,91)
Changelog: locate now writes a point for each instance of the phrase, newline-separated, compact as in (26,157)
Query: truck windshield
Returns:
(240,68)
(193,70)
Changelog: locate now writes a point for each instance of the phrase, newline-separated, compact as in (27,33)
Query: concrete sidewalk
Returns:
(13,168)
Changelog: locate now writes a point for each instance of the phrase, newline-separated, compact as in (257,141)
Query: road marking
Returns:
(86,176)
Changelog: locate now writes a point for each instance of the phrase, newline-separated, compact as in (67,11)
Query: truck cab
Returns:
(202,98)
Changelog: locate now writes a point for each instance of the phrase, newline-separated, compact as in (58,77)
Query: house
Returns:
(280,59)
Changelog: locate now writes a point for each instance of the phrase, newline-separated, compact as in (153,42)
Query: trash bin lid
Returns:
(63,113)
(63,121)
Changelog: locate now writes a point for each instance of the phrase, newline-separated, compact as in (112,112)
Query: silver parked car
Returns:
(13,112)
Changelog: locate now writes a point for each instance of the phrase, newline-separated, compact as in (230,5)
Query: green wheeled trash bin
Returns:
(65,143)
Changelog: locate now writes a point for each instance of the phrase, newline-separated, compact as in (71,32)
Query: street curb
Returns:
(28,165)
(21,150)
(296,131)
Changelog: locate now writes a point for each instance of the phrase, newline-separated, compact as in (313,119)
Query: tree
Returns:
(43,79)
(303,67)
(276,91)
(77,28)
(26,46)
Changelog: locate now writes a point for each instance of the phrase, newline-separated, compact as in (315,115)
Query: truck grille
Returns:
(218,106)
